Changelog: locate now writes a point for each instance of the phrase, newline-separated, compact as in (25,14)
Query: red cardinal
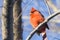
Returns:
(35,19)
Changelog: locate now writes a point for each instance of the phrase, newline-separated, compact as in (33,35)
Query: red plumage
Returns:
(36,18)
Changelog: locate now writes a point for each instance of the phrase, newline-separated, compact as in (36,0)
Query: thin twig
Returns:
(47,7)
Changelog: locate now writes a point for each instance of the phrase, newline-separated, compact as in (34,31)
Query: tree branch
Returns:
(39,26)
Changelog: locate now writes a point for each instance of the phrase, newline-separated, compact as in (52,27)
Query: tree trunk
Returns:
(17,26)
(7,27)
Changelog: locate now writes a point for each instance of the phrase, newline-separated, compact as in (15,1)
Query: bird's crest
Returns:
(33,10)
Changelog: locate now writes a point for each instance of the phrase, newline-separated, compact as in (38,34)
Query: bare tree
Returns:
(7,27)
(17,29)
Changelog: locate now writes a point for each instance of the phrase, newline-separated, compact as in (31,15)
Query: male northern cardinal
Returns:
(35,19)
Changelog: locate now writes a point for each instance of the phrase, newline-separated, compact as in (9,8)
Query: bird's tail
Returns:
(38,33)
(46,26)
(44,35)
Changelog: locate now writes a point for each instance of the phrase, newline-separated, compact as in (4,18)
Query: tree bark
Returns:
(17,23)
(7,20)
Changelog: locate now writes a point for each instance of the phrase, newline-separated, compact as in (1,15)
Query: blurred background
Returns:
(54,23)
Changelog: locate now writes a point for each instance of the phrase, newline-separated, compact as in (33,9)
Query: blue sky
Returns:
(0,18)
(39,5)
